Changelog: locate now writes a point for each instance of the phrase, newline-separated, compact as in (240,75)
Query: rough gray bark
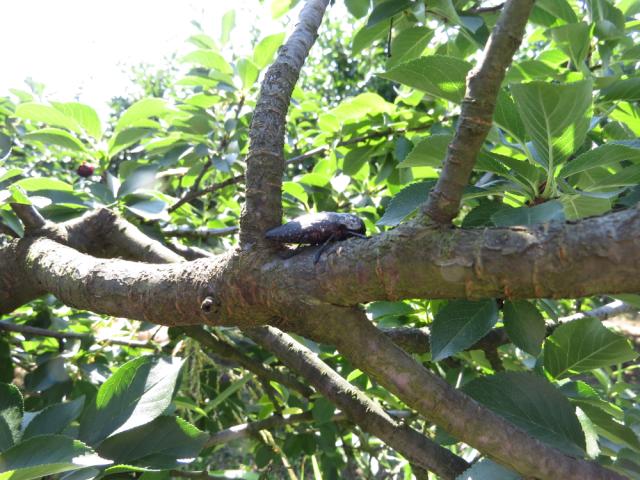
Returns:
(483,84)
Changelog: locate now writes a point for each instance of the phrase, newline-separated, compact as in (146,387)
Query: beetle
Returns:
(318,228)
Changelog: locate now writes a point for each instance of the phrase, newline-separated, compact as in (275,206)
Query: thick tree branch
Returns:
(558,260)
(371,351)
(366,413)
(265,162)
(476,115)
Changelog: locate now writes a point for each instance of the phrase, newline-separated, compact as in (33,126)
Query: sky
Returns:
(80,49)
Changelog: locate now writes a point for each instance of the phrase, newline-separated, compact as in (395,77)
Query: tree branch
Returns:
(29,215)
(200,232)
(476,115)
(371,351)
(265,162)
(43,332)
(193,194)
(228,351)
(366,413)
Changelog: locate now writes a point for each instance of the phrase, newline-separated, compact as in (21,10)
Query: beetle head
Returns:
(353,224)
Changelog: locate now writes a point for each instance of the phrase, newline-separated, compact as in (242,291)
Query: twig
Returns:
(362,138)
(192,195)
(224,143)
(481,10)
(29,215)
(188,252)
(230,352)
(43,332)
(476,114)
(200,232)
(265,162)
(366,413)
(604,312)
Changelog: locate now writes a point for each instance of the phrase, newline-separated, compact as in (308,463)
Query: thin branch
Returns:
(230,352)
(188,252)
(604,312)
(43,332)
(193,194)
(29,215)
(476,115)
(265,162)
(195,191)
(200,232)
(366,413)
(481,10)
(351,141)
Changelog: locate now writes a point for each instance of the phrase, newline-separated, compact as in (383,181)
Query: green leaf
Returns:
(573,39)
(535,405)
(437,75)
(581,206)
(84,115)
(409,44)
(141,110)
(429,152)
(386,10)
(46,455)
(228,22)
(54,418)
(55,136)
(156,444)
(18,195)
(559,9)
(550,211)
(556,117)
(295,190)
(37,112)
(584,345)
(506,115)
(524,325)
(628,89)
(11,410)
(248,72)
(358,8)
(208,59)
(366,36)
(150,209)
(405,203)
(138,392)
(446,9)
(602,156)
(125,138)
(35,184)
(360,107)
(322,410)
(266,49)
(611,429)
(485,469)
(459,325)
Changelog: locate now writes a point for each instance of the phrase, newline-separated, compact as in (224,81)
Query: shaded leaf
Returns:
(460,324)
(54,418)
(46,455)
(138,392)
(584,345)
(405,203)
(11,410)
(533,404)
(428,152)
(524,325)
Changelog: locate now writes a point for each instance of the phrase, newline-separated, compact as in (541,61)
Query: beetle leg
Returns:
(316,257)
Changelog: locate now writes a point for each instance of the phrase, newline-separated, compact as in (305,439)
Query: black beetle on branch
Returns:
(318,228)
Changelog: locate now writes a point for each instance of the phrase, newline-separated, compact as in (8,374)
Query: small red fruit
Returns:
(85,170)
